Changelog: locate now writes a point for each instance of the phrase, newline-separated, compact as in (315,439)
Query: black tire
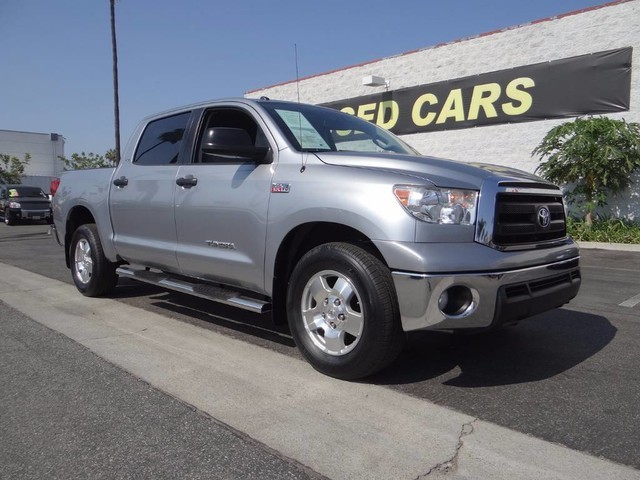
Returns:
(350,327)
(8,220)
(92,273)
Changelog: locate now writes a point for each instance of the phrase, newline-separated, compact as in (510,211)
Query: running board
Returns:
(202,290)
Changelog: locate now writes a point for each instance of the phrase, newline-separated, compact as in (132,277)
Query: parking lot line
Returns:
(631,302)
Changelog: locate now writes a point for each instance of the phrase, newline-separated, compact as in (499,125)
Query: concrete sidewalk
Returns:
(66,413)
(338,429)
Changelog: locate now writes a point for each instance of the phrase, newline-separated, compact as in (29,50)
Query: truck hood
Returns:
(440,172)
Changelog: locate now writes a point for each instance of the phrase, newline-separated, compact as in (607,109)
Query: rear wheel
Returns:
(343,312)
(92,273)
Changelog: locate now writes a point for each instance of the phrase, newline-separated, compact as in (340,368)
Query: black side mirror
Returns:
(234,143)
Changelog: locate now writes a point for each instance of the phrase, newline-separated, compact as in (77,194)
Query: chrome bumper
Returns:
(497,297)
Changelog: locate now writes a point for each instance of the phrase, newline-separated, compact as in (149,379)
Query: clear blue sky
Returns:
(55,58)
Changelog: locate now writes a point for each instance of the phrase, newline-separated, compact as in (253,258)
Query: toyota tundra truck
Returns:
(333,224)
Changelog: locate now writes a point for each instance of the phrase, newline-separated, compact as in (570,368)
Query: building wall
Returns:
(44,149)
(610,26)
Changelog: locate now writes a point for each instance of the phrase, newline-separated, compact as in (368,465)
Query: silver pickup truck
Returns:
(334,224)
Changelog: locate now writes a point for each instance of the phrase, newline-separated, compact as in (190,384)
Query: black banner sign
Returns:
(588,84)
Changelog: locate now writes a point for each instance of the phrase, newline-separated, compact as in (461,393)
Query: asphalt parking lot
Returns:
(570,376)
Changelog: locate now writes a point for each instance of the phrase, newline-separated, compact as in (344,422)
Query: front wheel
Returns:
(92,273)
(343,312)
(8,220)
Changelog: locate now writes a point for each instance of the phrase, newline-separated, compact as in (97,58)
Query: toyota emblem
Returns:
(544,217)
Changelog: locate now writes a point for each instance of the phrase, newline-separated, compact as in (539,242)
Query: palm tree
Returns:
(116,101)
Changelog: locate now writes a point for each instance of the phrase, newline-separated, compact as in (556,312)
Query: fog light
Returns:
(457,301)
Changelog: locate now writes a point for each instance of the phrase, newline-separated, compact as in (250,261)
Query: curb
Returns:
(620,247)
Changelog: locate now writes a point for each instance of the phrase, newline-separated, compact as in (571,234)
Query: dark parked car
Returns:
(22,202)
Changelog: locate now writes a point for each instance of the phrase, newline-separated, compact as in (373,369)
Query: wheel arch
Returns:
(299,241)
(78,216)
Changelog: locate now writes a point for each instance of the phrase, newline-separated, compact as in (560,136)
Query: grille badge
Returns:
(544,217)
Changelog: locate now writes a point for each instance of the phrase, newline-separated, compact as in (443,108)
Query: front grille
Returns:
(517,219)
(44,205)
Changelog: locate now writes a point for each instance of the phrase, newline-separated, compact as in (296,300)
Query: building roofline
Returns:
(31,133)
(460,40)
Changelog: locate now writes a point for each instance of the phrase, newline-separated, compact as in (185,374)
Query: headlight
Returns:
(14,205)
(438,205)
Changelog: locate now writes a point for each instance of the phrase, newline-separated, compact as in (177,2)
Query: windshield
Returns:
(18,191)
(319,129)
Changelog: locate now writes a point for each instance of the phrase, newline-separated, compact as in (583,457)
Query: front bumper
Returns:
(495,297)
(23,214)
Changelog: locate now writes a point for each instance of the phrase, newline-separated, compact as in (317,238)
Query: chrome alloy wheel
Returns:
(83,261)
(332,312)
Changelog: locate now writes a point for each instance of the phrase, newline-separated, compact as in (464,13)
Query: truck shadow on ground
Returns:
(247,326)
(16,237)
(536,349)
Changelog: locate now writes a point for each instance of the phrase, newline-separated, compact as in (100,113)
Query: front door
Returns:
(221,208)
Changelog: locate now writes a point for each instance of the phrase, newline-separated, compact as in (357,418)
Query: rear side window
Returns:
(161,141)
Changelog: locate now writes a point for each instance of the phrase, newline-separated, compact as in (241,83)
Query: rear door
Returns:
(221,216)
(142,197)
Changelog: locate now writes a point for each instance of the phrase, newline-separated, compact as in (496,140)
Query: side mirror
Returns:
(233,143)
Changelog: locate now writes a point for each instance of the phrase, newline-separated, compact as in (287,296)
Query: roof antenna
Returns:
(295,46)
(303,167)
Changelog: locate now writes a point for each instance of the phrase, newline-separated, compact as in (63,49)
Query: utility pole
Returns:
(116,101)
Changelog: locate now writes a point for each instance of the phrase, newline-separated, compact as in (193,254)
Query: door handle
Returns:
(187,182)
(121,182)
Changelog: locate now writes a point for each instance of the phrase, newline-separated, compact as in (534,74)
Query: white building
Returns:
(44,148)
(492,98)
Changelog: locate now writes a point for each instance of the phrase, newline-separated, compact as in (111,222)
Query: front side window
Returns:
(232,127)
(161,141)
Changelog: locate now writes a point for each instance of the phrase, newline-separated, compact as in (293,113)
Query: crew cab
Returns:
(335,225)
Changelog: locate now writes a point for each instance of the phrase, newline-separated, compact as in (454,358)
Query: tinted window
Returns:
(238,125)
(161,141)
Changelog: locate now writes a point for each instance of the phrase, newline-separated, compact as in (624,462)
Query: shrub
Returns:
(608,230)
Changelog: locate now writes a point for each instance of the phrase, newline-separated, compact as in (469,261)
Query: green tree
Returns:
(12,168)
(593,156)
(111,156)
(82,161)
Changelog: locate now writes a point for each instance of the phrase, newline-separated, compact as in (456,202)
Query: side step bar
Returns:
(202,290)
